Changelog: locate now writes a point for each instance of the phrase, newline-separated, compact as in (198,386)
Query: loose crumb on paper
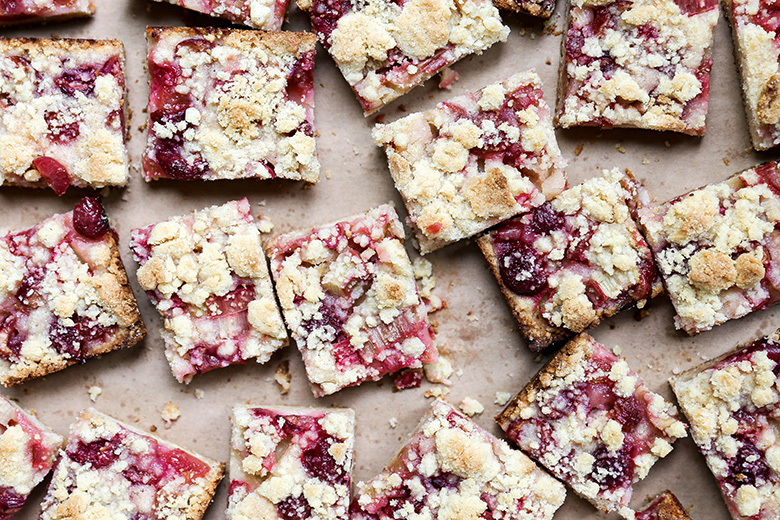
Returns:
(620,148)
(283,376)
(578,150)
(502,398)
(471,406)
(448,77)
(439,372)
(199,393)
(94,392)
(437,391)
(170,413)
(617,350)
(645,160)
(393,422)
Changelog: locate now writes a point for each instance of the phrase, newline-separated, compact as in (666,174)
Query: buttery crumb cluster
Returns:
(349,297)
(23,11)
(208,277)
(290,463)
(474,160)
(638,63)
(259,14)
(62,116)
(592,422)
(568,264)
(230,104)
(451,469)
(385,48)
(732,404)
(714,247)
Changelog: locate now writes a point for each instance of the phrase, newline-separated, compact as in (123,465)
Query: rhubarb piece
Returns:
(475,160)
(290,463)
(451,468)
(637,63)
(259,14)
(64,295)
(230,104)
(208,277)
(574,261)
(716,247)
(62,113)
(13,12)
(111,470)
(732,405)
(664,507)
(349,297)
(27,453)
(592,423)
(384,48)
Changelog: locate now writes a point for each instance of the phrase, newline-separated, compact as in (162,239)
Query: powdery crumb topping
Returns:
(207,275)
(451,469)
(286,460)
(565,266)
(475,160)
(230,104)
(384,49)
(641,63)
(470,406)
(440,371)
(65,298)
(349,297)
(64,100)
(592,422)
(24,11)
(112,471)
(259,14)
(732,403)
(713,247)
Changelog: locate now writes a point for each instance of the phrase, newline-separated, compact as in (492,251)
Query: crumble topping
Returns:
(475,160)
(208,277)
(62,100)
(230,104)
(471,406)
(25,11)
(640,63)
(267,15)
(540,8)
(714,247)
(385,49)
(592,422)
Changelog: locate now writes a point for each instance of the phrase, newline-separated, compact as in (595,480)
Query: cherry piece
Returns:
(293,508)
(54,173)
(612,469)
(10,502)
(320,464)
(89,218)
(98,454)
(521,268)
(410,378)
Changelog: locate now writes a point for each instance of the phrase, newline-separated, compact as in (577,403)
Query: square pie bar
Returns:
(568,264)
(637,63)
(290,463)
(755,27)
(386,48)
(62,113)
(732,404)
(663,507)
(450,468)
(350,299)
(716,248)
(230,104)
(64,295)
(259,14)
(27,453)
(111,470)
(475,160)
(592,422)
(208,277)
(14,12)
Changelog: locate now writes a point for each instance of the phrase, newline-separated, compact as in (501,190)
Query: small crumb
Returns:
(471,406)
(283,376)
(439,372)
(199,393)
(379,119)
(448,77)
(402,108)
(94,392)
(393,422)
(645,160)
(170,413)
(726,161)
(667,144)
(578,150)
(327,174)
(676,371)
(473,318)
(617,350)
(620,148)
(459,373)
(748,150)
(548,62)
(355,150)
(437,391)
(261,203)
(153,428)
(502,398)
(264,225)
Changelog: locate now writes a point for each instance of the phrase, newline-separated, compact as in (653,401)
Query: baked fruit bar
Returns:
(637,63)
(111,470)
(14,12)
(715,246)
(290,463)
(663,507)
(62,113)
(592,423)
(259,14)
(27,451)
(64,295)
(451,468)
(208,277)
(754,26)
(732,405)
(349,297)
(540,8)
(230,104)
(474,160)
(385,49)
(571,262)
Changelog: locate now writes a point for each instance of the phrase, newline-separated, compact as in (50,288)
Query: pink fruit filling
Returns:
(54,173)
(10,502)
(89,218)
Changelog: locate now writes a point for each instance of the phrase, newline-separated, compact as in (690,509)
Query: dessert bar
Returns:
(14,12)
(259,14)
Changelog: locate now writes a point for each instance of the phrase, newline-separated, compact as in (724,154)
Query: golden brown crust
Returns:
(527,8)
(768,109)
(48,45)
(47,19)
(201,501)
(287,41)
(669,508)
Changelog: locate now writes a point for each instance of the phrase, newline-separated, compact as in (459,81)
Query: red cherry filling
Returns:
(748,467)
(54,173)
(320,464)
(11,7)
(293,508)
(692,7)
(172,162)
(99,453)
(613,469)
(236,300)
(81,79)
(409,378)
(76,341)
(522,268)
(325,16)
(60,132)
(10,502)
(333,317)
(300,82)
(89,218)
(768,16)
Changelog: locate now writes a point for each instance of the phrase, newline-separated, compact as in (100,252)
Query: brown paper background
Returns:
(477,328)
